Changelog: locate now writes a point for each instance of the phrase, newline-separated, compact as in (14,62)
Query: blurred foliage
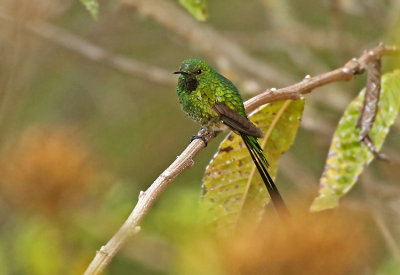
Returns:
(118,131)
(328,243)
(231,186)
(49,160)
(198,8)
(390,267)
(347,156)
(92,6)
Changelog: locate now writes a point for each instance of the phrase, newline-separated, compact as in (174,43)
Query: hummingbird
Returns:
(214,102)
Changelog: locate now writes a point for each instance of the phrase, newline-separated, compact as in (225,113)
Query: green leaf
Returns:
(92,6)
(231,184)
(198,8)
(347,157)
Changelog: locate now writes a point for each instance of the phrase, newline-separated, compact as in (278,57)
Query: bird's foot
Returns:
(202,135)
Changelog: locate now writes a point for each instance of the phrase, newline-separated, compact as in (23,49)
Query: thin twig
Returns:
(369,184)
(185,160)
(387,235)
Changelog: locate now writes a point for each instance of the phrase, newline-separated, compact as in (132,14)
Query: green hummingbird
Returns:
(215,103)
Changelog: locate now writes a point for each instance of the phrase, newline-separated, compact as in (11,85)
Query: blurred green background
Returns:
(89,117)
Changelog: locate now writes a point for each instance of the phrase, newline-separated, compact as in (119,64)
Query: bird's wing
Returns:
(235,121)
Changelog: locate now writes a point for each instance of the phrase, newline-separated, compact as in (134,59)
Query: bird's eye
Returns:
(199,72)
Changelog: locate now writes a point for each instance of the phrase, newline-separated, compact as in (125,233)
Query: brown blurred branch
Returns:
(286,27)
(153,74)
(93,52)
(208,40)
(185,159)
(298,173)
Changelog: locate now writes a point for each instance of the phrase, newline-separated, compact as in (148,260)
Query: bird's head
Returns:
(193,68)
(192,72)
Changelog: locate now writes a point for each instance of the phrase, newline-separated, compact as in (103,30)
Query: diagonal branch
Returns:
(92,51)
(129,66)
(185,160)
(207,40)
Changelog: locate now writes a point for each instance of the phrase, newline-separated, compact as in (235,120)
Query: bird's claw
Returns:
(202,137)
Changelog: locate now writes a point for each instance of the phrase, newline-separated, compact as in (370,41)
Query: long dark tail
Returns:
(261,163)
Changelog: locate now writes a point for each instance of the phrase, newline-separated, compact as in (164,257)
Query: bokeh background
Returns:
(89,117)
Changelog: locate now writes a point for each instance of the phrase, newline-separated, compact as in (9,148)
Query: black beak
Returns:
(180,72)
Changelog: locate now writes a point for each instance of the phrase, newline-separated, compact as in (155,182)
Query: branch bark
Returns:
(185,159)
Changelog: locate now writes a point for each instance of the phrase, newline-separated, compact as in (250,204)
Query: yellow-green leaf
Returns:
(347,156)
(92,6)
(198,8)
(231,182)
